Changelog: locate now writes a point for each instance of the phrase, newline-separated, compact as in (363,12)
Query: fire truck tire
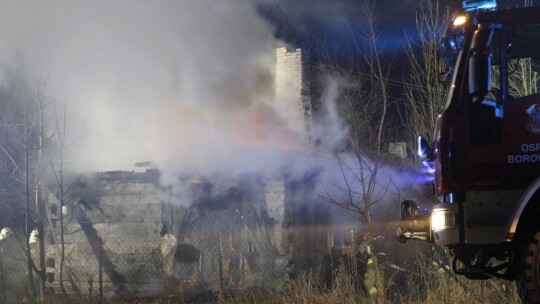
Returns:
(529,276)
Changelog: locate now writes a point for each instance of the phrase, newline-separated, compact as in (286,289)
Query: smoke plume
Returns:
(187,85)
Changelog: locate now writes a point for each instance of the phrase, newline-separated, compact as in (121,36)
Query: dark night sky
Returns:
(337,23)
(332,29)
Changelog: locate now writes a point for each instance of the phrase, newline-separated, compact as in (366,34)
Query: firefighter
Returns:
(439,260)
(367,266)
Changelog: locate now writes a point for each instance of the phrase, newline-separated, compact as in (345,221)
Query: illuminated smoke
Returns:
(187,85)
(330,131)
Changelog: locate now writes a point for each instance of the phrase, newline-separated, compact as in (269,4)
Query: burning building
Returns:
(126,235)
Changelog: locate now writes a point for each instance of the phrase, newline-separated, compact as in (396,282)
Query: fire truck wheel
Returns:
(529,277)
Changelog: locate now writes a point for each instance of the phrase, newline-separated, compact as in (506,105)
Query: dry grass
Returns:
(428,284)
(418,281)
(439,288)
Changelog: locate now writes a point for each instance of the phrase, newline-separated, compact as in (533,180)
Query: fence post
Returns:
(241,281)
(2,273)
(352,238)
(200,265)
(100,275)
(220,269)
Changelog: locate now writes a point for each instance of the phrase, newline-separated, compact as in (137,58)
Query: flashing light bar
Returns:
(420,151)
(479,5)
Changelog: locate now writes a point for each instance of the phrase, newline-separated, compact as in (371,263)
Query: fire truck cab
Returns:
(485,152)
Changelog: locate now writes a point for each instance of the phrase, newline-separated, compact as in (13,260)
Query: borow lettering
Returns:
(525,158)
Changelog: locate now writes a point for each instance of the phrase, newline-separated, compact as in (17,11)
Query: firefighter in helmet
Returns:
(366,262)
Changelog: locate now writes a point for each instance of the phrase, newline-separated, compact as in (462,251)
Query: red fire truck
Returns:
(485,152)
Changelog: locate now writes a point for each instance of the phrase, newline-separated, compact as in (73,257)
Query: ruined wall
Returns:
(275,204)
(149,241)
(112,224)
(229,236)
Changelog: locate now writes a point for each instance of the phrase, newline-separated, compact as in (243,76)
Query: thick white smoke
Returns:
(185,84)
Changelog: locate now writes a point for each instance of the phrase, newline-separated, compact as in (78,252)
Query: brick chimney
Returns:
(292,88)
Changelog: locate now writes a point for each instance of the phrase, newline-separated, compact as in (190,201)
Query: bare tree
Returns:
(522,80)
(364,99)
(58,172)
(425,94)
(21,147)
(58,164)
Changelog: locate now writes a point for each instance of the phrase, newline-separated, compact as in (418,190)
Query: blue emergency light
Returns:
(479,5)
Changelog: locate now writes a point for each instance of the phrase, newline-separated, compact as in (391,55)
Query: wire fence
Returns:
(13,265)
(110,266)
(135,260)
(198,266)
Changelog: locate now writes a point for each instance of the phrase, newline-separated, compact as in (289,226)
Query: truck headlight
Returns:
(442,219)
